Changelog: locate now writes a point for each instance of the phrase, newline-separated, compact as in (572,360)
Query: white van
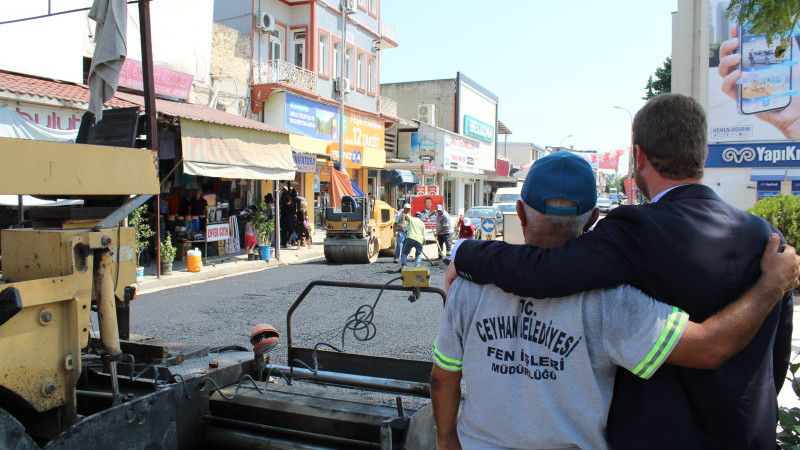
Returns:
(506,199)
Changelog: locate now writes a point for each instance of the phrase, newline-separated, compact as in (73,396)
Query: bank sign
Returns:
(768,154)
(477,129)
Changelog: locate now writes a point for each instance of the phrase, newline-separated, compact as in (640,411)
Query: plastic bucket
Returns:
(265,252)
(194,260)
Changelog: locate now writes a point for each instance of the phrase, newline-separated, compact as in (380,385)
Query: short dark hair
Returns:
(671,130)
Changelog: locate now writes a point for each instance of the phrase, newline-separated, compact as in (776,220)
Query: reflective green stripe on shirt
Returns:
(664,345)
(445,362)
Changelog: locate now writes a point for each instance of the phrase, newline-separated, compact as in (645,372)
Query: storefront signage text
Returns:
(754,155)
(429,169)
(167,82)
(218,232)
(321,121)
(351,158)
(477,129)
(460,154)
(305,164)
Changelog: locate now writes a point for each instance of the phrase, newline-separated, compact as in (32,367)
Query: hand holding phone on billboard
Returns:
(761,84)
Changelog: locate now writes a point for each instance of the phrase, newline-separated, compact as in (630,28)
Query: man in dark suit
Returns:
(688,248)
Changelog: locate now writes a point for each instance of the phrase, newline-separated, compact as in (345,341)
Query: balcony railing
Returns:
(388,106)
(279,71)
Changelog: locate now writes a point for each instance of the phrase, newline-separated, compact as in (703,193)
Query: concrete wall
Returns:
(410,95)
(518,153)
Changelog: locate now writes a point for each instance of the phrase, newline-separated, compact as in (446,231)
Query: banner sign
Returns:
(427,204)
(769,186)
(427,190)
(167,83)
(218,232)
(429,169)
(762,154)
(423,148)
(305,164)
(477,129)
(311,118)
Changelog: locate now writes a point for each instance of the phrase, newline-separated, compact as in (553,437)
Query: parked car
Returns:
(477,213)
(605,205)
(764,57)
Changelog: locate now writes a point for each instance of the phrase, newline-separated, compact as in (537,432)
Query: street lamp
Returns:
(562,140)
(345,12)
(630,162)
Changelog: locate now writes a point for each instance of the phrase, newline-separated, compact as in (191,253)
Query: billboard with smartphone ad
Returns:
(752,88)
(446,150)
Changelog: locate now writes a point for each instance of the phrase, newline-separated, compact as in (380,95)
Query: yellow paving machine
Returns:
(358,230)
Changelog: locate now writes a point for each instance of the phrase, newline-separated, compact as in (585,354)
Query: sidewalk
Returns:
(221,266)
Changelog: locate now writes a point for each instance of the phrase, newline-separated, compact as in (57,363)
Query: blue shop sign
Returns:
(477,129)
(774,186)
(754,154)
(305,164)
(311,118)
(796,187)
(766,194)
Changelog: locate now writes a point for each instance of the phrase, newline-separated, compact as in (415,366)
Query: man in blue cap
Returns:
(686,247)
(540,373)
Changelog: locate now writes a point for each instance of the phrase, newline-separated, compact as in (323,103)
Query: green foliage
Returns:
(663,82)
(782,211)
(263,226)
(789,418)
(141,227)
(168,250)
(775,19)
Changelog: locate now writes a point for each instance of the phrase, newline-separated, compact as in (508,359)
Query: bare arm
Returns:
(446,396)
(709,344)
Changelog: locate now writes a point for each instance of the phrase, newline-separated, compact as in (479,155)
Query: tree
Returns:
(775,19)
(663,82)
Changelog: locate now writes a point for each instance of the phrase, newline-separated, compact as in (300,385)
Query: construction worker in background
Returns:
(467,229)
(415,237)
(443,231)
(401,230)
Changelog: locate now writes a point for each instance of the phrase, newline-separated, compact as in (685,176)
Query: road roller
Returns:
(358,230)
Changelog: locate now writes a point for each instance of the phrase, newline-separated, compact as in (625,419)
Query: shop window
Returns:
(349,61)
(323,63)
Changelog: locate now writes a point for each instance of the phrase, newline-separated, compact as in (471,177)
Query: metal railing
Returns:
(279,71)
(387,106)
(388,31)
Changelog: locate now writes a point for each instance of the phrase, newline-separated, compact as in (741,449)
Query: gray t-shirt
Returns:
(540,373)
(443,223)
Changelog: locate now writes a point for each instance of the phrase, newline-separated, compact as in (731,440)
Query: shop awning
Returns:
(398,177)
(768,175)
(793,174)
(231,152)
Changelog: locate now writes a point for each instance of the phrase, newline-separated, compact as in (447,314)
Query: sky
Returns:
(558,67)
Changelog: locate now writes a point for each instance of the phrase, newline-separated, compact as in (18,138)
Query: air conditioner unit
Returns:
(264,22)
(342,84)
(427,114)
(349,6)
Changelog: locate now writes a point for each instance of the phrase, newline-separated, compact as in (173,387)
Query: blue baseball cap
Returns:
(560,175)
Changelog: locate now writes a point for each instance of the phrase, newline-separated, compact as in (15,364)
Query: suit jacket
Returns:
(694,251)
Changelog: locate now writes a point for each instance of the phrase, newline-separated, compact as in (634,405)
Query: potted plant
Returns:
(263,227)
(141,233)
(168,252)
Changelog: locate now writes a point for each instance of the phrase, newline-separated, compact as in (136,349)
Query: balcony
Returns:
(282,72)
(388,37)
(388,107)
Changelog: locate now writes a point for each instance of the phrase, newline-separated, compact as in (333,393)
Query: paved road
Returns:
(222,312)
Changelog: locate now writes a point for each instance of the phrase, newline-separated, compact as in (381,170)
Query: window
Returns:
(275,44)
(361,68)
(337,57)
(372,77)
(299,49)
(349,62)
(323,52)
(373,7)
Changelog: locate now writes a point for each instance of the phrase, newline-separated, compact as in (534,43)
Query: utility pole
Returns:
(342,92)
